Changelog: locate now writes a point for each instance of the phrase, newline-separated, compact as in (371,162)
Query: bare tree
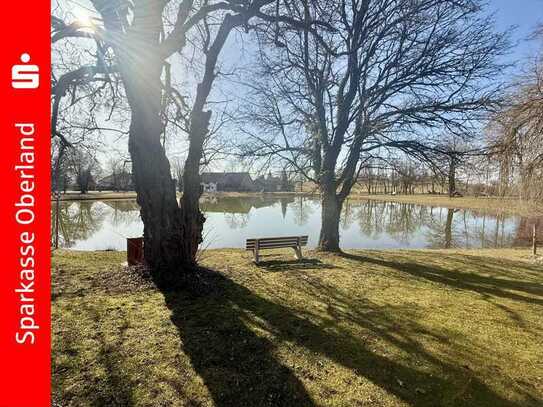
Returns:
(135,42)
(60,168)
(516,136)
(118,176)
(85,169)
(392,75)
(177,169)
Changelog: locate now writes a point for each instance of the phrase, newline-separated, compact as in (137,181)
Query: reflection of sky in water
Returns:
(103,225)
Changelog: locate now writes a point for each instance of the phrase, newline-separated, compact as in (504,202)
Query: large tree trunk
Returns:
(162,218)
(191,216)
(156,196)
(193,219)
(172,231)
(330,216)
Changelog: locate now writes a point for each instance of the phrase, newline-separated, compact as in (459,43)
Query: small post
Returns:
(534,240)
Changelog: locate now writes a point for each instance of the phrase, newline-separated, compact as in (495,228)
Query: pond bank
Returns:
(397,328)
(496,205)
(511,206)
(106,195)
(364,224)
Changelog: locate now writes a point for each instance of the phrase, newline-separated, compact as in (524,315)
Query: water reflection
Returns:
(98,225)
(123,212)
(440,227)
(77,221)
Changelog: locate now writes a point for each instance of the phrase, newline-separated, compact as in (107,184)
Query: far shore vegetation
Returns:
(490,204)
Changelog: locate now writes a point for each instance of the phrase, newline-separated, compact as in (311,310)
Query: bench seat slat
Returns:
(263,241)
(264,245)
(273,245)
(293,242)
(276,242)
(273,239)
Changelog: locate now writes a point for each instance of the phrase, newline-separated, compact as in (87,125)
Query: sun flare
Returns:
(83,17)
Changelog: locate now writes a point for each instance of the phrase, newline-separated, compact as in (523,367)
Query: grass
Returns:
(368,328)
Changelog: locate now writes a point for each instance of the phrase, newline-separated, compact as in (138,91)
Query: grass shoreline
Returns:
(509,206)
(107,195)
(386,328)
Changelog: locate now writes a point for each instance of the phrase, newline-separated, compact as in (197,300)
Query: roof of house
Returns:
(122,176)
(268,181)
(230,178)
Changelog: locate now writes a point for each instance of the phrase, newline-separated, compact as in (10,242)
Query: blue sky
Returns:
(525,15)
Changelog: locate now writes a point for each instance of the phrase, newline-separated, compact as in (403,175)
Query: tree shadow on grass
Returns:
(237,366)
(118,388)
(115,387)
(519,290)
(240,368)
(291,265)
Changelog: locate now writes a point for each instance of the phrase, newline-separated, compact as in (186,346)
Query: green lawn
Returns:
(370,328)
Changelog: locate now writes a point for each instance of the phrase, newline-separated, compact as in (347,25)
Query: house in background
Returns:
(121,181)
(212,182)
(226,182)
(268,184)
(273,184)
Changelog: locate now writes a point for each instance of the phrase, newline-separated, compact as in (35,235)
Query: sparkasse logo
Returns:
(25,76)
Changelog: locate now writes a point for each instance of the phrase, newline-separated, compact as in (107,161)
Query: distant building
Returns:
(242,182)
(273,184)
(121,181)
(226,182)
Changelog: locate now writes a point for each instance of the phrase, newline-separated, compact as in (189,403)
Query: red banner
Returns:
(25,334)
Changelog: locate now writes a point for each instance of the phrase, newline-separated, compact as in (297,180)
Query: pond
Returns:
(101,225)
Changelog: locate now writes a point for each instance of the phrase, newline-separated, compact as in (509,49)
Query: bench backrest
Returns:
(276,242)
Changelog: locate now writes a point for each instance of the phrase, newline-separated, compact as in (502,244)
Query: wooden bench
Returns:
(294,242)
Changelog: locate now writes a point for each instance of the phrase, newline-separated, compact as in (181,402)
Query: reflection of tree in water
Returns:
(303,209)
(284,204)
(368,214)
(236,210)
(448,228)
(400,220)
(441,227)
(78,220)
(237,220)
(123,212)
(441,233)
(492,232)
(405,220)
(466,229)
(348,214)
(230,204)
